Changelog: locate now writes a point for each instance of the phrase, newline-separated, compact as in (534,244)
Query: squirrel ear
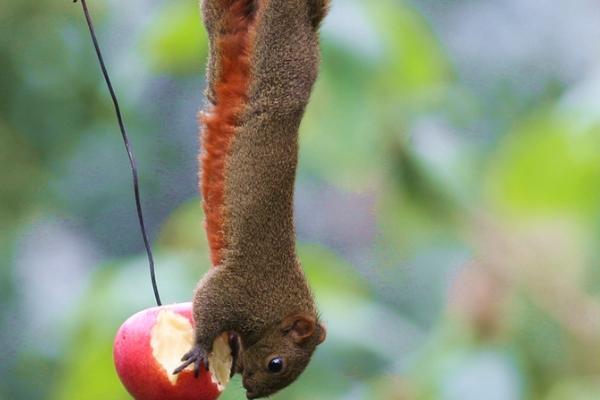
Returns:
(300,327)
(322,333)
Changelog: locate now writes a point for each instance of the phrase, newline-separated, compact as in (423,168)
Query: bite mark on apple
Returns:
(171,336)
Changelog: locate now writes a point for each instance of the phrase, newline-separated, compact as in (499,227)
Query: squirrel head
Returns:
(281,355)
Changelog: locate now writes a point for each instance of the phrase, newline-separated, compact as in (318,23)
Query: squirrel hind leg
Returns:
(224,16)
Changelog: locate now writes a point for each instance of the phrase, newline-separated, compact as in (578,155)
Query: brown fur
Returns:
(263,63)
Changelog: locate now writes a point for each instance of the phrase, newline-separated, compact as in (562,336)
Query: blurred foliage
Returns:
(176,43)
(452,242)
(546,166)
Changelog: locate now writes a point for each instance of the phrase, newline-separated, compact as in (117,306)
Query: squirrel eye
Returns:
(276,364)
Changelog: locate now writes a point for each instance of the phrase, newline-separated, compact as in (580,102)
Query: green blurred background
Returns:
(447,206)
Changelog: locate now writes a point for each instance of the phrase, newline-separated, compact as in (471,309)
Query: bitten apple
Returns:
(149,346)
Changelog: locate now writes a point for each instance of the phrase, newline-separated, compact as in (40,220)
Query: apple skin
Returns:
(142,375)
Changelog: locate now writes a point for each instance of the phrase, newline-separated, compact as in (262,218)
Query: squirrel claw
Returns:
(195,356)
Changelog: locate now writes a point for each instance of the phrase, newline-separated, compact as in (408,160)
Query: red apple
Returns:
(149,346)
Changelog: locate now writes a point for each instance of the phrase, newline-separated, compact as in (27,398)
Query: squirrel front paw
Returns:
(195,356)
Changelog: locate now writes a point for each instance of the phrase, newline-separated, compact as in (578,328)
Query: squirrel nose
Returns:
(245,383)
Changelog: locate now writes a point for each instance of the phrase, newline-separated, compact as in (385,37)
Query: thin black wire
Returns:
(134,173)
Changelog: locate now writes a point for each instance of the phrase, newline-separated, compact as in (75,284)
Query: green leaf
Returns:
(413,61)
(546,167)
(176,42)
(328,273)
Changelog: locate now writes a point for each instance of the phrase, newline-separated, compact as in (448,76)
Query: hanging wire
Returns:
(134,173)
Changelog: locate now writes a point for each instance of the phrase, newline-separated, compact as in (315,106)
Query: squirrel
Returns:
(263,62)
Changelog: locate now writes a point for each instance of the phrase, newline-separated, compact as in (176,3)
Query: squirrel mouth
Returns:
(250,394)
(235,346)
